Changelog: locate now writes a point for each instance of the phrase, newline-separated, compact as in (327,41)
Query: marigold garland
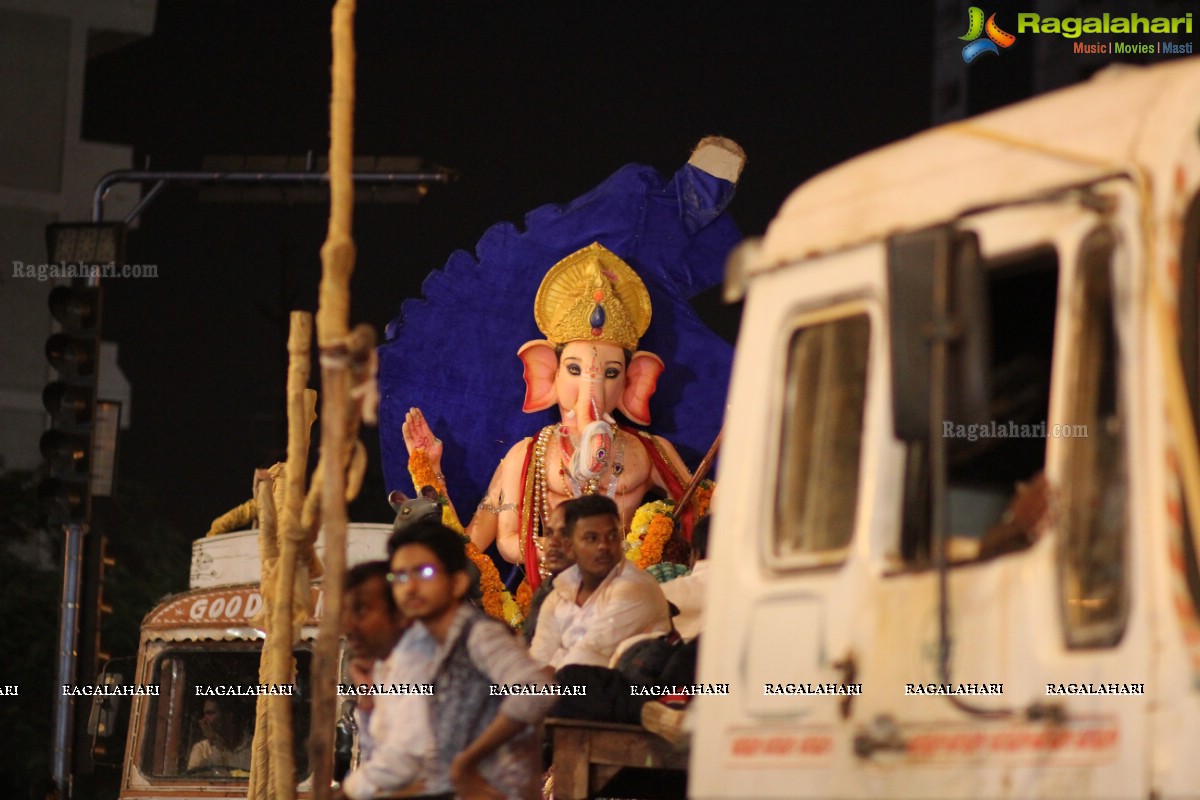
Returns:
(702,499)
(421,470)
(497,601)
(661,528)
(524,598)
(646,537)
(489,582)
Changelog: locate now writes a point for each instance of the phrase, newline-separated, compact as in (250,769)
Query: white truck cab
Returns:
(988,303)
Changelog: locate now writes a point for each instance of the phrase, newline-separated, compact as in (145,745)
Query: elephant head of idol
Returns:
(592,308)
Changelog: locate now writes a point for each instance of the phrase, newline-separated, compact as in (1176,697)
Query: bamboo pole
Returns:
(281,636)
(268,555)
(337,261)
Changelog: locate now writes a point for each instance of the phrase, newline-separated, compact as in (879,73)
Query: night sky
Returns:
(532,103)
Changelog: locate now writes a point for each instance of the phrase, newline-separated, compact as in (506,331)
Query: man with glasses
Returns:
(603,599)
(485,736)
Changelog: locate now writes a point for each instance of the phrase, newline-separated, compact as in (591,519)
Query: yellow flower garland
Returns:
(643,548)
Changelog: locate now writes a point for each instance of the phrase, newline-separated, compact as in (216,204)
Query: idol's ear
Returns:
(641,379)
(541,366)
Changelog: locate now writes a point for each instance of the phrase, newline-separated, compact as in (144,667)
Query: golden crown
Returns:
(593,296)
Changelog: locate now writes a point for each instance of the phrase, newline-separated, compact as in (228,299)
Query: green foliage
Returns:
(152,561)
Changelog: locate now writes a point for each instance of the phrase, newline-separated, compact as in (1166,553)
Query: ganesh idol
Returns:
(592,309)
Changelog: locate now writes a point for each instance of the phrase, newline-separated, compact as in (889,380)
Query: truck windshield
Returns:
(202,723)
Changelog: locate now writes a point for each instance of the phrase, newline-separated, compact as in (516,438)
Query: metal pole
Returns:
(263,177)
(67,634)
(68,629)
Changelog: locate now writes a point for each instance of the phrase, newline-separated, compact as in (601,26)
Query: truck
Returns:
(993,305)
(202,641)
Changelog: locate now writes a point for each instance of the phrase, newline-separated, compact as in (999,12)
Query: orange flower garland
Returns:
(489,582)
(421,470)
(524,598)
(494,593)
(661,528)
(703,498)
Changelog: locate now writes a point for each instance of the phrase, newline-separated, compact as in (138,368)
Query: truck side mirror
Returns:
(915,260)
(109,716)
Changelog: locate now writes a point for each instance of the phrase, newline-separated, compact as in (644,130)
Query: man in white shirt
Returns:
(603,599)
(395,737)
(226,743)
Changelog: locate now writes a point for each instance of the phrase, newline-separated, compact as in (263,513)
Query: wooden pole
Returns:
(701,471)
(268,555)
(281,636)
(333,322)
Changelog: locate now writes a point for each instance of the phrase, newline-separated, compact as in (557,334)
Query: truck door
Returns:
(799,503)
(825,584)
(1044,692)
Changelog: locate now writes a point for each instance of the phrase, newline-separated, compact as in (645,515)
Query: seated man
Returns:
(485,742)
(603,599)
(226,742)
(395,740)
(553,557)
(645,658)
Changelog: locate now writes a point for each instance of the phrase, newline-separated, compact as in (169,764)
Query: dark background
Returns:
(532,103)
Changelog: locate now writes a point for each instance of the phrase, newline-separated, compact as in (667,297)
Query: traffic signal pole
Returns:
(67,636)
(68,445)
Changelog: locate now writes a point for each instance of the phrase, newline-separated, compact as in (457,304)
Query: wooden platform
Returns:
(587,755)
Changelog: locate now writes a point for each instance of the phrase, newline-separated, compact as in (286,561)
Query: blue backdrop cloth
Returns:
(453,354)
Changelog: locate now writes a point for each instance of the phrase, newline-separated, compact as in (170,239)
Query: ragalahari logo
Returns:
(976,27)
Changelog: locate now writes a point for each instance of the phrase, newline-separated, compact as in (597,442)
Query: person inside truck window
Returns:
(226,742)
(486,742)
(395,741)
(601,601)
(1018,528)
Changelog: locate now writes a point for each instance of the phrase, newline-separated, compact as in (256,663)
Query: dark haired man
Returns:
(485,742)
(552,548)
(226,742)
(603,599)
(395,740)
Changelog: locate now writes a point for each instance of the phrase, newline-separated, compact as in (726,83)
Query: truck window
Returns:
(1093,523)
(201,724)
(821,438)
(986,461)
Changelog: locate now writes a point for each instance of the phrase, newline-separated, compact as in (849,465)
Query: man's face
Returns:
(371,625)
(596,544)
(422,588)
(554,542)
(210,719)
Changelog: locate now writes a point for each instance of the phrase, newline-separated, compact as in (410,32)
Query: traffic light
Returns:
(84,249)
(71,402)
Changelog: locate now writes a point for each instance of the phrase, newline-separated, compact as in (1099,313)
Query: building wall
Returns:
(47,173)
